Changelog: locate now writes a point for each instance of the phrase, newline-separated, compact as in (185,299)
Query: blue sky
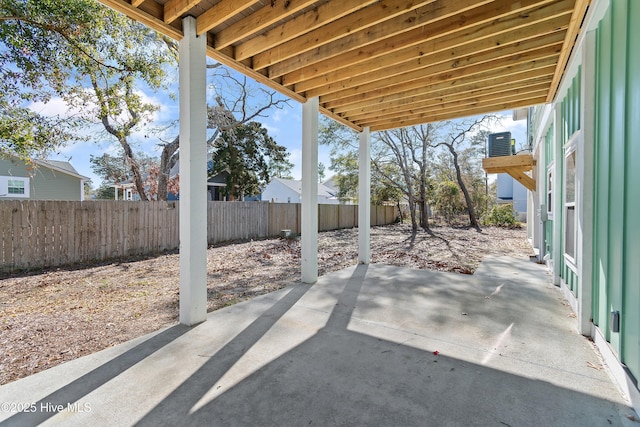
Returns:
(284,125)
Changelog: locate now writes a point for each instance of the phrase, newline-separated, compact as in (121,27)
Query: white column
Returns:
(584,184)
(558,158)
(309,221)
(193,175)
(364,197)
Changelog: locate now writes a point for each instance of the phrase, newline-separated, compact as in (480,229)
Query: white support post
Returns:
(558,158)
(193,175)
(309,222)
(364,197)
(584,185)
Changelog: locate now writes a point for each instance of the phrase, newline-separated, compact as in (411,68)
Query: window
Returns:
(16,186)
(12,186)
(570,204)
(550,191)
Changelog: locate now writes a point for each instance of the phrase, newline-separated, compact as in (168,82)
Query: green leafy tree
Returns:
(100,63)
(447,200)
(40,42)
(248,154)
(343,155)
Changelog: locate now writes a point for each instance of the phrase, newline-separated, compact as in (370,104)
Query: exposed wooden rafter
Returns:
(386,63)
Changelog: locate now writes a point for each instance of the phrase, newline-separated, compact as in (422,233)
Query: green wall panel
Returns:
(631,278)
(601,180)
(617,133)
(616,232)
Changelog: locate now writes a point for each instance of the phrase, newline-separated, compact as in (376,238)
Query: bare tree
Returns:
(235,104)
(410,150)
(459,132)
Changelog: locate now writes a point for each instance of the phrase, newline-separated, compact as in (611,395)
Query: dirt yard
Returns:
(54,316)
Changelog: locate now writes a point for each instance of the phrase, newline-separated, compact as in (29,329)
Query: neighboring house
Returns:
(585,207)
(334,189)
(511,191)
(125,190)
(39,180)
(290,191)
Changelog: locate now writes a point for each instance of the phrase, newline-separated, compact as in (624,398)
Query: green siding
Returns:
(631,260)
(549,155)
(570,122)
(44,183)
(616,248)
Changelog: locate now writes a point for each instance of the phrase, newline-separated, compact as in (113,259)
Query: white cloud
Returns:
(279,115)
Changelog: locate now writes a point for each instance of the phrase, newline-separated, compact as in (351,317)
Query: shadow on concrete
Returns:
(343,377)
(95,378)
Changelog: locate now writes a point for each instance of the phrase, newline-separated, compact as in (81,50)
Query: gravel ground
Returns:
(49,317)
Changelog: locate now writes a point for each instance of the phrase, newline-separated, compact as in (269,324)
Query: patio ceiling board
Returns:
(386,63)
(451,107)
(445,89)
(401,32)
(483,51)
(510,64)
(425,104)
(490,79)
(450,95)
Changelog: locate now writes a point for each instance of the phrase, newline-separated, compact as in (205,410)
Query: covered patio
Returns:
(372,65)
(368,345)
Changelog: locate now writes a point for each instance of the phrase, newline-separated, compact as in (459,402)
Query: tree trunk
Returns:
(167,161)
(472,213)
(135,169)
(424,213)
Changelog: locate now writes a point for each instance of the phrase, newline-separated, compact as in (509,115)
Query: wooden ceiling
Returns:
(386,63)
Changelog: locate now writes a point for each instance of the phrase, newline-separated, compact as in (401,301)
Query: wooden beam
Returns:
(451,94)
(174,9)
(411,121)
(445,62)
(259,20)
(448,103)
(523,161)
(381,40)
(522,178)
(302,24)
(579,11)
(143,17)
(437,51)
(465,85)
(415,79)
(220,12)
(485,107)
(489,79)
(136,3)
(386,14)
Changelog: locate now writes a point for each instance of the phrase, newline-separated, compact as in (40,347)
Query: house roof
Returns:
(296,185)
(56,165)
(60,166)
(386,64)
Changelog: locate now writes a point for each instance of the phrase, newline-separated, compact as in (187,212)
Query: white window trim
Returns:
(549,195)
(4,187)
(571,147)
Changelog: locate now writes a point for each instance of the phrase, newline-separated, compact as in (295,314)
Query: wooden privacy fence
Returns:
(36,234)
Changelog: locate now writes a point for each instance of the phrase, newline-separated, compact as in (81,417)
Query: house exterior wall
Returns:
(277,192)
(616,249)
(588,138)
(44,183)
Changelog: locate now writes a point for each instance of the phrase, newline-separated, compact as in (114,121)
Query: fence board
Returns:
(36,234)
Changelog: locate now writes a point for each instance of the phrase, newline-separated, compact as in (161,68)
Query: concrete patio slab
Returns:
(368,345)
